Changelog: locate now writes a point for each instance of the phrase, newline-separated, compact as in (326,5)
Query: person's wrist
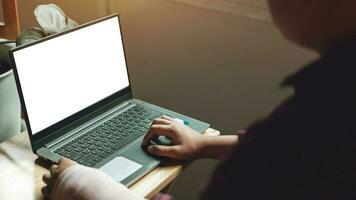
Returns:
(215,147)
(203,147)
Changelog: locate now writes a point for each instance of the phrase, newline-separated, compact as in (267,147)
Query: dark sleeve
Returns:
(303,150)
(253,169)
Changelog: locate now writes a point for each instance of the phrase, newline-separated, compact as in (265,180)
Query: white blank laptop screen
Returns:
(64,75)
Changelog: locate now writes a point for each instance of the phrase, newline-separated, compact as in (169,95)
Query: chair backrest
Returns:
(10,27)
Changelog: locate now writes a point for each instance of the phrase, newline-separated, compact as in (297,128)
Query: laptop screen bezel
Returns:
(84,112)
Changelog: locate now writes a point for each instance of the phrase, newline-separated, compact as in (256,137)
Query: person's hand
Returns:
(55,171)
(187,143)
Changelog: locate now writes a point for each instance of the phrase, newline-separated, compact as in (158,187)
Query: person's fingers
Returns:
(53,167)
(47,179)
(167,117)
(61,160)
(53,170)
(155,129)
(161,121)
(158,130)
(149,135)
(165,130)
(166,151)
(65,163)
(46,191)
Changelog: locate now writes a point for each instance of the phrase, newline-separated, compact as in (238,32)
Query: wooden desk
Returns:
(21,177)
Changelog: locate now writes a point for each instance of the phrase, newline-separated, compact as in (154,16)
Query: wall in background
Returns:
(254,9)
(221,68)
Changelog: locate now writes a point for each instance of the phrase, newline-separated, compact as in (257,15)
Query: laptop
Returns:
(78,103)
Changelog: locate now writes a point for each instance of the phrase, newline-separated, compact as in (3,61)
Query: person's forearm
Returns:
(217,147)
(83,183)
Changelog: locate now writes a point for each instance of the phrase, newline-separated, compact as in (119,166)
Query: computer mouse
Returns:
(161,140)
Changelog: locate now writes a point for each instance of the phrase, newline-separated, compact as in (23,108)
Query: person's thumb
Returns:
(160,150)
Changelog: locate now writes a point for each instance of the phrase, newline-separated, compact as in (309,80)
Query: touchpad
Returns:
(120,168)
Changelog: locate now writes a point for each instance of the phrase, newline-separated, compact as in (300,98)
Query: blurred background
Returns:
(220,67)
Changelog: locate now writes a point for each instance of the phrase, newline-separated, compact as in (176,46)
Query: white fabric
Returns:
(52,19)
(83,183)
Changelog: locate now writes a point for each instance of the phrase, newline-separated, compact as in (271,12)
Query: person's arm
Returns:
(217,146)
(70,181)
(187,143)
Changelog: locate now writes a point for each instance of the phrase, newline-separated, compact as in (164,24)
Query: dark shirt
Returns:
(305,149)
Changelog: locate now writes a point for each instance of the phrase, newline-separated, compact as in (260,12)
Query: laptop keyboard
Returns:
(108,137)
